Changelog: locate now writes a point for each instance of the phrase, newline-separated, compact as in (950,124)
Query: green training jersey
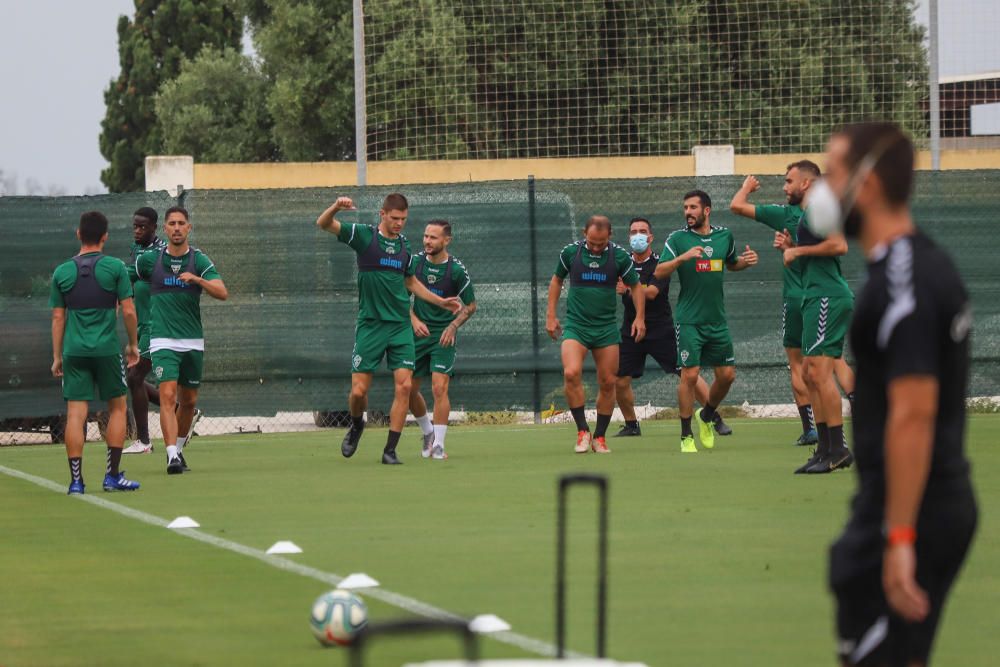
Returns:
(821,276)
(91,332)
(382,295)
(140,287)
(784,219)
(175,308)
(457,283)
(595,306)
(702,300)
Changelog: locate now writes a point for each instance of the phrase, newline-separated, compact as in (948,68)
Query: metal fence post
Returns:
(360,111)
(536,388)
(935,91)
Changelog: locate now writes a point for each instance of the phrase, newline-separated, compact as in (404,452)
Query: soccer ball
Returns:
(337,617)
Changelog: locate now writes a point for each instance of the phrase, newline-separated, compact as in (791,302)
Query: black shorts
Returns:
(869,632)
(632,355)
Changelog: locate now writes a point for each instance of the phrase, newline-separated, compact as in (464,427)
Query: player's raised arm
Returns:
(834,245)
(740,205)
(327,220)
(667,267)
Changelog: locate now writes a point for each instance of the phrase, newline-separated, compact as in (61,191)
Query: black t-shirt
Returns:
(659,319)
(912,317)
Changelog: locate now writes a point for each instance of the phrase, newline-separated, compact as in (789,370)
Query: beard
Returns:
(795,199)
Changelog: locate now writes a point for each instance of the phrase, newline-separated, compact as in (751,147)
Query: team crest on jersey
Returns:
(684,356)
(159,372)
(431,278)
(176,268)
(390,250)
(594,265)
(708,251)
(356,360)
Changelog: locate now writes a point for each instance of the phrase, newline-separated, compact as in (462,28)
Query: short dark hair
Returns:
(395,202)
(148,213)
(640,219)
(93,227)
(805,166)
(893,152)
(176,209)
(702,196)
(599,221)
(443,224)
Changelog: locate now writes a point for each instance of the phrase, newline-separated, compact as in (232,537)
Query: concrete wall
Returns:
(344,174)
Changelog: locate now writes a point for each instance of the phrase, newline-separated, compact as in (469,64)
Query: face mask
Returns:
(639,242)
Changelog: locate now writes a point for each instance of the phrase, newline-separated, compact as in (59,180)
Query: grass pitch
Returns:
(716,558)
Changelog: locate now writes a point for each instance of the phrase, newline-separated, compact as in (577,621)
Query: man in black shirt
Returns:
(914,513)
(660,342)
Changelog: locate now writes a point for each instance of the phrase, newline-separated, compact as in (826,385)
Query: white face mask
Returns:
(824,210)
(639,242)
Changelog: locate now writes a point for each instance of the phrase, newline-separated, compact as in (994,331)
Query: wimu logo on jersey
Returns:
(594,276)
(391,263)
(173,281)
(707,265)
(436,290)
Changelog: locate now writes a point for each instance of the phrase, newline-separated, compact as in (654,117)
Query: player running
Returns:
(594,266)
(700,253)
(85,295)
(659,342)
(914,513)
(383,329)
(143,393)
(177,276)
(435,331)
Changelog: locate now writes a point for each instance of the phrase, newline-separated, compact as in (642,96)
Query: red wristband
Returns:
(901,535)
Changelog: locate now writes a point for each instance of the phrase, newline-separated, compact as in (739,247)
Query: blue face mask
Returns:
(639,242)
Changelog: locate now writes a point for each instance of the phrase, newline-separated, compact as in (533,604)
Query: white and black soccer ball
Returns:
(337,617)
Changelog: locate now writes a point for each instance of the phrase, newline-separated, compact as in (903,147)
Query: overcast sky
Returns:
(58,57)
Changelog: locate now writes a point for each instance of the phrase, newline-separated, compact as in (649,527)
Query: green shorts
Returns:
(374,339)
(825,321)
(185,368)
(80,374)
(144,337)
(704,345)
(431,357)
(593,338)
(791,323)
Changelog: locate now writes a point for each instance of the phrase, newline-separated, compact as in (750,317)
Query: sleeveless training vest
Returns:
(581,275)
(376,259)
(162,282)
(86,291)
(444,286)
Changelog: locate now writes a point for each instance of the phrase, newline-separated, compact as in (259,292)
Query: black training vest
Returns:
(444,286)
(86,291)
(162,282)
(581,275)
(376,259)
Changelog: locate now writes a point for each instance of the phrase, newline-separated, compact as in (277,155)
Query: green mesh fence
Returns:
(279,349)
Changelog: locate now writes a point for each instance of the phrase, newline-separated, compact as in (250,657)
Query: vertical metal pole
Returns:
(536,390)
(561,573)
(360,79)
(602,575)
(935,92)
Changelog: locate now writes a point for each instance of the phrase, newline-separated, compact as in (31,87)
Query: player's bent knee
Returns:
(573,375)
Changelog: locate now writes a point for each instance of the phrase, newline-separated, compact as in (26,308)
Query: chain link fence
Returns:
(278,351)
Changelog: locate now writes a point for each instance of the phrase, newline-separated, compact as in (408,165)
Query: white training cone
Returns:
(284,547)
(357,580)
(183,522)
(486,623)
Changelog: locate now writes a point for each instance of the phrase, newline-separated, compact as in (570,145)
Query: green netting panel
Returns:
(283,341)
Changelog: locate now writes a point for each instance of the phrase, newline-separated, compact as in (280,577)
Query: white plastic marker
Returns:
(284,547)
(183,522)
(487,623)
(404,602)
(357,580)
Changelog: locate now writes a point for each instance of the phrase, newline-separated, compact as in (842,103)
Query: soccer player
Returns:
(786,218)
(85,295)
(594,266)
(143,393)
(383,329)
(659,342)
(177,276)
(435,331)
(827,304)
(914,513)
(700,253)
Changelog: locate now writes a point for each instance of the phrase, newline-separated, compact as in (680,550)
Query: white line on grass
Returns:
(529,644)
